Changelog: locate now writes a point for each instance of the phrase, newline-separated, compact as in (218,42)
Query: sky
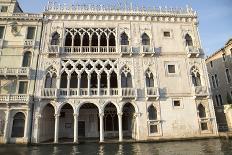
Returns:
(215,16)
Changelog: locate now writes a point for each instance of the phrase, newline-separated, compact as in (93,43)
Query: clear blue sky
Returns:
(215,16)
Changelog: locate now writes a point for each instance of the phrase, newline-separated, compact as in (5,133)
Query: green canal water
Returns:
(197,147)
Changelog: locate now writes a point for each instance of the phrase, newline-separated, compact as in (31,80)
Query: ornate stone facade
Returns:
(112,72)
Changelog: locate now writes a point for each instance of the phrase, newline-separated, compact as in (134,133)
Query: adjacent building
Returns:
(104,72)
(219,66)
(20,35)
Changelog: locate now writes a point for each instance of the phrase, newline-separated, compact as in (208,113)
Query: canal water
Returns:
(196,147)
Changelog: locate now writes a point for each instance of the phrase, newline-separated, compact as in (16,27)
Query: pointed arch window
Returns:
(124,39)
(112,40)
(94,41)
(196,77)
(126,78)
(201,110)
(152,113)
(51,77)
(103,40)
(85,41)
(27,59)
(188,40)
(145,39)
(55,39)
(68,39)
(77,40)
(149,79)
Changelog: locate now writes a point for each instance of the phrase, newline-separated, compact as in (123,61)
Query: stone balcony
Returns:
(126,50)
(148,50)
(85,92)
(55,49)
(17,72)
(16,98)
(192,51)
(201,91)
(29,43)
(152,93)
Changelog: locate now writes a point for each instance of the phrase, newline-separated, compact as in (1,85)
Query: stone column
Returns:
(101,116)
(27,125)
(120,127)
(108,84)
(37,127)
(99,84)
(6,127)
(89,80)
(68,85)
(56,136)
(79,86)
(58,86)
(119,86)
(75,127)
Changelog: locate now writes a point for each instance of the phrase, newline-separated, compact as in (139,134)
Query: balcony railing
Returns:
(29,42)
(14,98)
(152,93)
(201,91)
(84,92)
(23,71)
(85,49)
(129,93)
(192,51)
(125,50)
(53,49)
(149,50)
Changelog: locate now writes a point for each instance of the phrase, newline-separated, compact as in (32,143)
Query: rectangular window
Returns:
(171,69)
(23,87)
(228,75)
(176,103)
(220,100)
(167,34)
(1,31)
(153,129)
(213,82)
(211,64)
(204,126)
(217,102)
(30,32)
(224,57)
(216,80)
(3,8)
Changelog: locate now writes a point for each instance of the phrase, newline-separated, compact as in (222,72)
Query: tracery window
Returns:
(55,39)
(149,79)
(124,39)
(126,79)
(50,81)
(145,39)
(196,77)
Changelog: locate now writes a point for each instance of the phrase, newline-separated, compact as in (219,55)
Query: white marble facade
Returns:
(121,73)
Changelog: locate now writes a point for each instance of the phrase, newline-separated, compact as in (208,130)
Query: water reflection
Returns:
(200,147)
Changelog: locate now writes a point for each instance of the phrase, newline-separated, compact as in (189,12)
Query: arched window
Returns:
(112,40)
(196,77)
(84,80)
(26,59)
(55,39)
(94,41)
(126,79)
(93,81)
(85,41)
(18,125)
(103,40)
(63,80)
(68,39)
(149,79)
(152,113)
(103,80)
(188,40)
(113,80)
(145,39)
(77,40)
(124,39)
(201,110)
(50,81)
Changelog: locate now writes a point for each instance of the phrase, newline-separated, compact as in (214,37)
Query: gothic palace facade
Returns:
(76,72)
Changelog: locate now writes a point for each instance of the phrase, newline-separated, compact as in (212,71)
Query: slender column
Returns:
(79,86)
(101,116)
(68,85)
(89,80)
(119,86)
(98,45)
(99,84)
(120,127)
(75,127)
(58,86)
(37,127)
(27,124)
(6,127)
(107,44)
(108,84)
(56,136)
